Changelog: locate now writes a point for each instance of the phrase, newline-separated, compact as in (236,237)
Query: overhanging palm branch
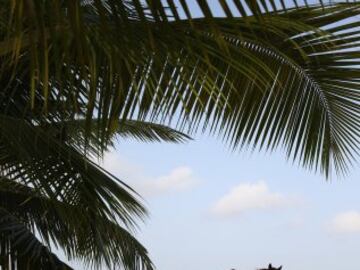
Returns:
(66,197)
(272,76)
(78,230)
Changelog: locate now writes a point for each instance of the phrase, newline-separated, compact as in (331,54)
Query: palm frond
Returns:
(78,230)
(73,133)
(88,207)
(31,156)
(273,75)
(264,78)
(20,249)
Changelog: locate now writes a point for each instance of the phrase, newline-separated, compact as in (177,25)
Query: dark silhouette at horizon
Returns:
(270,267)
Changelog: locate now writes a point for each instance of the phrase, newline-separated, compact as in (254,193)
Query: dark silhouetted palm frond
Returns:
(75,73)
(77,229)
(271,75)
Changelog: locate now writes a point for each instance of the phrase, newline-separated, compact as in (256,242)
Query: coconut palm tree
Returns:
(266,74)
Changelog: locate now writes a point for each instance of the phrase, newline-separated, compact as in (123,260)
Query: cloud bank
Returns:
(249,196)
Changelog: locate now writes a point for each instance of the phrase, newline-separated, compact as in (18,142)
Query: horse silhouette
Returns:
(270,267)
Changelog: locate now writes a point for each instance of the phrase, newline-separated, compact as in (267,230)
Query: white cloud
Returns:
(177,180)
(346,222)
(247,196)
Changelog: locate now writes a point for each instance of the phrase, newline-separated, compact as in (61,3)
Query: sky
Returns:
(211,208)
(215,209)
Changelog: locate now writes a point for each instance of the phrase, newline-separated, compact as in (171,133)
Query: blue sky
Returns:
(214,209)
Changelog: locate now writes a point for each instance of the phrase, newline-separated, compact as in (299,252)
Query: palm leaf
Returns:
(277,75)
(75,204)
(89,208)
(73,133)
(78,230)
(21,249)
(274,76)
